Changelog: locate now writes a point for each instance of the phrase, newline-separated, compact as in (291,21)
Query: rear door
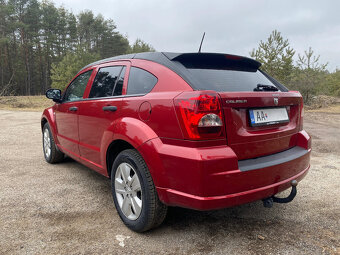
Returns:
(98,111)
(67,114)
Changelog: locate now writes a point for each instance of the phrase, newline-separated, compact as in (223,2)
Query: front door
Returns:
(67,114)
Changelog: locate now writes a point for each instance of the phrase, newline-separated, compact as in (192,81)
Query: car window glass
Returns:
(229,80)
(75,90)
(105,81)
(140,81)
(119,85)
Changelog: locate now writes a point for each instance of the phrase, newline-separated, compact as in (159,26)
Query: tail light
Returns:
(199,114)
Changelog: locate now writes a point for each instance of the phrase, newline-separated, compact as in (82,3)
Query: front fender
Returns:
(49,116)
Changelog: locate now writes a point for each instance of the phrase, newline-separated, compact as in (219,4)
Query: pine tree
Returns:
(309,74)
(276,57)
(141,46)
(35,36)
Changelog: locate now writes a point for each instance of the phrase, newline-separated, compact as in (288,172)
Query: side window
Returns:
(140,81)
(75,90)
(105,81)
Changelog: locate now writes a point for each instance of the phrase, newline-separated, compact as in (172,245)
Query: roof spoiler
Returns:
(214,61)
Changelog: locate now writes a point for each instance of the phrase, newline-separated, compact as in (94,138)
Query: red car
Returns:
(196,130)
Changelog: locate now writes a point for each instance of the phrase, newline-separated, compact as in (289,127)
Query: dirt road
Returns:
(68,209)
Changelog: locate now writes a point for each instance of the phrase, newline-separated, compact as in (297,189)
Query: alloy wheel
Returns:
(47,143)
(128,191)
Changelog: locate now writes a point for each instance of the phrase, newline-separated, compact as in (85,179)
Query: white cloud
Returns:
(230,26)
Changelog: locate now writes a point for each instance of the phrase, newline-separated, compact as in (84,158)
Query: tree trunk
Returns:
(2,68)
(26,61)
(41,66)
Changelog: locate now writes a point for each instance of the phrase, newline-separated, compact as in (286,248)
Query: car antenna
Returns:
(199,50)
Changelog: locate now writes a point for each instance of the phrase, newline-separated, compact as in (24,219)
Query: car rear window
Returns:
(140,81)
(228,80)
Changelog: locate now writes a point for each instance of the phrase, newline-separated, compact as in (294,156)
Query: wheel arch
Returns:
(49,117)
(115,147)
(43,122)
(124,132)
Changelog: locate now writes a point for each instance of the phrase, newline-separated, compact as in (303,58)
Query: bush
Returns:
(63,72)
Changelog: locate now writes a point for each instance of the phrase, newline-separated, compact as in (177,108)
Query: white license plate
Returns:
(268,116)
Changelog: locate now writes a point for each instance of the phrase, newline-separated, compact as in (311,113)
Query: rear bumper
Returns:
(213,178)
(177,198)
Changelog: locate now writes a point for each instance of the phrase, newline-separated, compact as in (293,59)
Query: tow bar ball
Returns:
(268,202)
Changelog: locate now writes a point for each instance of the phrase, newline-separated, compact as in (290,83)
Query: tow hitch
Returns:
(268,202)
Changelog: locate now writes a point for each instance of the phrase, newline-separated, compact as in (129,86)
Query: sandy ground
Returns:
(67,208)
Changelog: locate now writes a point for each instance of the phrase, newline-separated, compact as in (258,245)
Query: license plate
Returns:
(268,116)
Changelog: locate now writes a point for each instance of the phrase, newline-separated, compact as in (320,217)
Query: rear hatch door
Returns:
(260,123)
(261,115)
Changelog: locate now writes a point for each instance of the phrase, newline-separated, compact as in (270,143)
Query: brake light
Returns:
(199,114)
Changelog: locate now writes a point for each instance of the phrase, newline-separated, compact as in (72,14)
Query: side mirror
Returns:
(54,94)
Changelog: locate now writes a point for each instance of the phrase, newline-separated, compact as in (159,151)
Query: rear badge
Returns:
(276,101)
(238,101)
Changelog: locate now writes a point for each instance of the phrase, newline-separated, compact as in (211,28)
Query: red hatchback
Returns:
(196,130)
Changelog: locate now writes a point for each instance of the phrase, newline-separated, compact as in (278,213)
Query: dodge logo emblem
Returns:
(276,101)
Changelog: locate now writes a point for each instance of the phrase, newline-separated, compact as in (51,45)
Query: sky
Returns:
(231,26)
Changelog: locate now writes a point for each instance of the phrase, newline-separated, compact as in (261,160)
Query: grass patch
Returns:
(25,103)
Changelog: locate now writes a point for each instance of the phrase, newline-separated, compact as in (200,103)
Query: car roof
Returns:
(179,62)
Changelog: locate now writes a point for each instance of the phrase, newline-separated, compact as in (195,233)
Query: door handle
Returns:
(73,109)
(110,108)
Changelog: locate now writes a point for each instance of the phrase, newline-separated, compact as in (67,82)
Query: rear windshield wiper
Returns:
(263,87)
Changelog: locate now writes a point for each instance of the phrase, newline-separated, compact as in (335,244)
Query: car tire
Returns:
(134,193)
(51,153)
